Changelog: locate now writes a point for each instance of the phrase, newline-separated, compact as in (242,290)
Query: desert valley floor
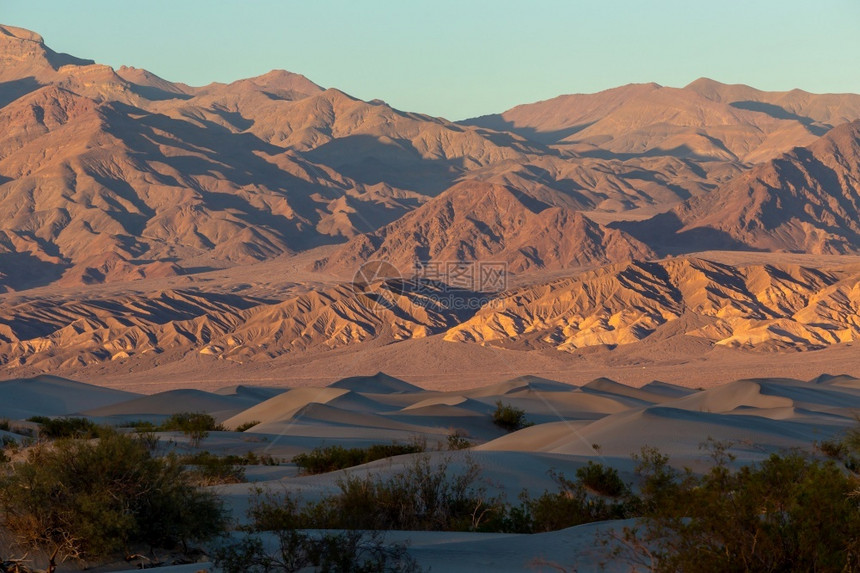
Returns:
(601,420)
(671,265)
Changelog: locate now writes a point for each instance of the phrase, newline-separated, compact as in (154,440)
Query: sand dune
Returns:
(843,380)
(379,383)
(283,406)
(176,401)
(760,415)
(600,420)
(519,384)
(681,432)
(53,396)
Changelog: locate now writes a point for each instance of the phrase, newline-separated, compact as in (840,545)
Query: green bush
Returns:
(284,516)
(789,513)
(835,449)
(66,427)
(509,418)
(601,480)
(423,496)
(209,469)
(572,504)
(247,425)
(141,426)
(347,551)
(195,425)
(92,498)
(458,441)
(333,458)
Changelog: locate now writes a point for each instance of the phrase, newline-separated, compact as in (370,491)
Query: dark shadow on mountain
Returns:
(238,158)
(570,192)
(45,245)
(12,90)
(634,274)
(58,59)
(157,94)
(436,296)
(197,270)
(663,234)
(679,152)
(132,245)
(532,204)
(498,123)
(166,307)
(778,112)
(651,176)
(368,160)
(234,118)
(837,201)
(509,139)
(175,307)
(20,271)
(133,223)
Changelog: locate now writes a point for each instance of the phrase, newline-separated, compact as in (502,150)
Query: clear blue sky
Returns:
(461,58)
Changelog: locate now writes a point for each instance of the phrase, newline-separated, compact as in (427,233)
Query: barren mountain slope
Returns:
(705,120)
(475,221)
(807,200)
(45,335)
(761,306)
(142,170)
(677,302)
(112,175)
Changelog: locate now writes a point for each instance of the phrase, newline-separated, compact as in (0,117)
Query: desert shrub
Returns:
(252,459)
(5,426)
(149,439)
(789,513)
(140,426)
(835,449)
(195,425)
(298,549)
(458,441)
(425,495)
(208,469)
(346,551)
(661,486)
(333,458)
(509,417)
(601,480)
(66,427)
(573,503)
(284,516)
(247,425)
(91,498)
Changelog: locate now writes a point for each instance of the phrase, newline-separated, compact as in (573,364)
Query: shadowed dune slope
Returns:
(53,396)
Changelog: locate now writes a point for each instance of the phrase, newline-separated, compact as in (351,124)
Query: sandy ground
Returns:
(600,420)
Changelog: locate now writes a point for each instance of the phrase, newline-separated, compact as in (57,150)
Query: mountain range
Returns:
(146,220)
